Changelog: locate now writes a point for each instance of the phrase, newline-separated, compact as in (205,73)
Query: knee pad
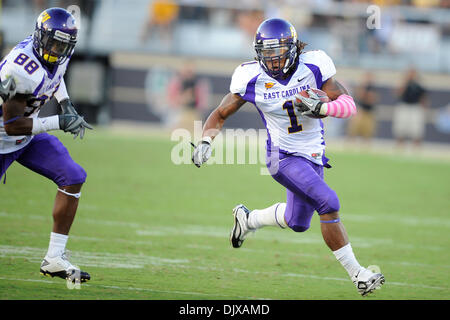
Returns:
(329,204)
(74,174)
(298,227)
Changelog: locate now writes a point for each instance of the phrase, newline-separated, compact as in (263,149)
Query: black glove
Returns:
(71,121)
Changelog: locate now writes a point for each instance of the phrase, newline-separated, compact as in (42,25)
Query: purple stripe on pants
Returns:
(306,190)
(46,155)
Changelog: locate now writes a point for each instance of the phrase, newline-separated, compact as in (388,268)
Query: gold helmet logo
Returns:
(44,17)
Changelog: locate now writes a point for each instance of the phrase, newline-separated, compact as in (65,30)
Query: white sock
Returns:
(347,258)
(271,216)
(57,244)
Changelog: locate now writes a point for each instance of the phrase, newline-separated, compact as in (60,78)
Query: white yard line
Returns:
(250,250)
(190,293)
(220,232)
(100,260)
(118,260)
(263,235)
(353,217)
(397,218)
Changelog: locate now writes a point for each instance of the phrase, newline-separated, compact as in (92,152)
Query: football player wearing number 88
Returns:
(37,65)
(284,85)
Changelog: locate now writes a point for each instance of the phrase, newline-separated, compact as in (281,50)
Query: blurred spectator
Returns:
(409,114)
(425,3)
(379,38)
(249,21)
(189,94)
(442,119)
(162,15)
(40,5)
(191,11)
(363,124)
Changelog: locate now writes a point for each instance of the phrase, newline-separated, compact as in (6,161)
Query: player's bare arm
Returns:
(333,88)
(16,124)
(13,114)
(231,103)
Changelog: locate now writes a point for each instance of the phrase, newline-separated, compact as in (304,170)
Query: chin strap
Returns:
(75,195)
(286,67)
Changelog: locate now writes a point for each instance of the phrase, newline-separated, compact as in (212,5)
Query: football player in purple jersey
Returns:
(295,144)
(37,65)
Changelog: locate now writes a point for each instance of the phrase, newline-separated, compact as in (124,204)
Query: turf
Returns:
(149,229)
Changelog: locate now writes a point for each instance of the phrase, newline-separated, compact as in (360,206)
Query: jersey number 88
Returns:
(30,67)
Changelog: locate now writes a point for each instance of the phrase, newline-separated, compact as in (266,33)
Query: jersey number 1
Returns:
(295,126)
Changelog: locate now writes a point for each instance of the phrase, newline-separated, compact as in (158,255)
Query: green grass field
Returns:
(149,229)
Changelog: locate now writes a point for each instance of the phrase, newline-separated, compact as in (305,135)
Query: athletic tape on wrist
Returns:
(45,124)
(207,139)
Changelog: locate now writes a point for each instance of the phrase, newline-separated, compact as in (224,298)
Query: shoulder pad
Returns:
(320,59)
(242,75)
(27,79)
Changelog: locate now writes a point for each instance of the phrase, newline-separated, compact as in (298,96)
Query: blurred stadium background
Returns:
(129,53)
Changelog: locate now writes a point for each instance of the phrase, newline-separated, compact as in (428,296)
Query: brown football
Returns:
(322,95)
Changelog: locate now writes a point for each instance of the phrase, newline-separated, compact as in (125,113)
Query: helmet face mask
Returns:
(276,46)
(275,60)
(55,36)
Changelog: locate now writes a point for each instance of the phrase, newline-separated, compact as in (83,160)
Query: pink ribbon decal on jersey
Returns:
(342,107)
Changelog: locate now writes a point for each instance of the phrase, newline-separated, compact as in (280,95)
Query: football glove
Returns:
(7,90)
(71,121)
(202,152)
(308,106)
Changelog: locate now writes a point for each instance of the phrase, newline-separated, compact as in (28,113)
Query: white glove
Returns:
(7,90)
(202,152)
(308,106)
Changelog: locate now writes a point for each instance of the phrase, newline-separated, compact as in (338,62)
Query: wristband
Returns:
(207,139)
(323,109)
(45,124)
